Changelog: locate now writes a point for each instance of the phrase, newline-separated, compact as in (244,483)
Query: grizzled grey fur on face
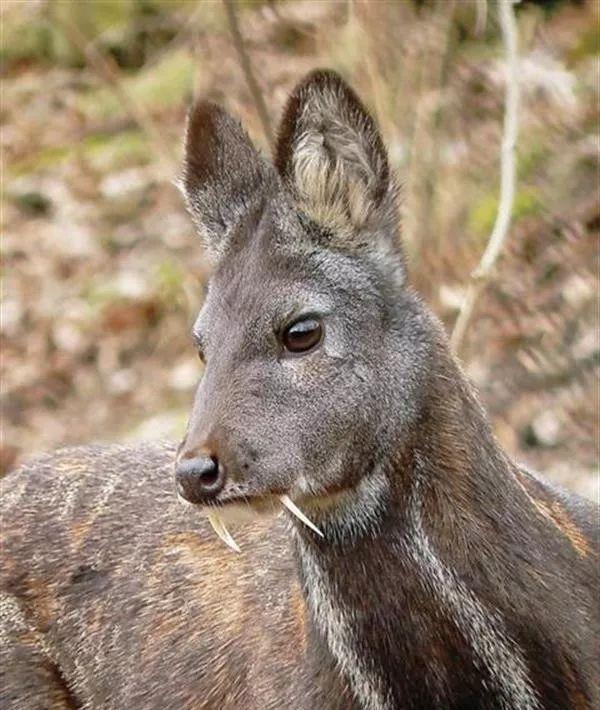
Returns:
(320,239)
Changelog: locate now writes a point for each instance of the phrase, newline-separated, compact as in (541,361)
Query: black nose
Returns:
(199,479)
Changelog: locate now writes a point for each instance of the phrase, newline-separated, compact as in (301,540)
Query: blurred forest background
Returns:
(102,273)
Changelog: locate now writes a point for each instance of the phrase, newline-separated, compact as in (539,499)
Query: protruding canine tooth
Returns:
(219,527)
(294,510)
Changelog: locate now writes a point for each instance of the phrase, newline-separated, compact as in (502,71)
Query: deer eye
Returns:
(302,336)
(198,342)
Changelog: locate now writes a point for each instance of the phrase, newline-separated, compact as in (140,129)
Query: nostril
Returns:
(199,479)
(209,475)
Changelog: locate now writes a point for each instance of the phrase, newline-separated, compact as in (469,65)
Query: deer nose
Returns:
(199,479)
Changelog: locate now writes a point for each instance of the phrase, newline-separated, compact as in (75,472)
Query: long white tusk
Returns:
(219,527)
(294,510)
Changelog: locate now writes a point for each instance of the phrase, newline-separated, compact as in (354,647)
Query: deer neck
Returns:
(384,587)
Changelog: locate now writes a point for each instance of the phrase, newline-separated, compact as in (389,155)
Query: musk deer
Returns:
(414,565)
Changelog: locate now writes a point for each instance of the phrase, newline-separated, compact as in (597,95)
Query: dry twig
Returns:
(246,66)
(483,273)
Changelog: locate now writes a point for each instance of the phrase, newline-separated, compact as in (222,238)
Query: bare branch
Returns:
(246,66)
(483,273)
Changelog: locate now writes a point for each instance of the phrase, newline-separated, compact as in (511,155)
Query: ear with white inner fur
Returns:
(223,174)
(332,158)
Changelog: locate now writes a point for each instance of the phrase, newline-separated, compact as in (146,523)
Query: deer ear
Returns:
(332,158)
(223,174)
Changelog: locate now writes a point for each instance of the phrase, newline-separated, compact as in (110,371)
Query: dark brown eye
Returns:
(303,335)
(197,338)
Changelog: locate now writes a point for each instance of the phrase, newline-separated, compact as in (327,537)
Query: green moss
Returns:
(588,44)
(119,151)
(42,160)
(483,215)
(24,40)
(527,203)
(162,85)
(167,83)
(31,33)
(93,18)
(530,158)
(127,31)
(104,153)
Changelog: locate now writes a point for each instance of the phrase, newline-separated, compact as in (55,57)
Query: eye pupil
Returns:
(302,335)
